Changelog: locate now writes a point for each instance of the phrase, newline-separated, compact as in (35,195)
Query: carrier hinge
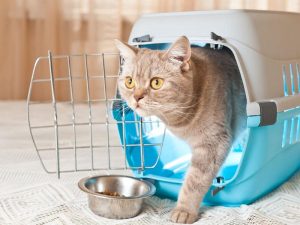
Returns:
(144,38)
(216,37)
(216,190)
(268,113)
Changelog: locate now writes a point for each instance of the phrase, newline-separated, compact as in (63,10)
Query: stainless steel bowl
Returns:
(129,204)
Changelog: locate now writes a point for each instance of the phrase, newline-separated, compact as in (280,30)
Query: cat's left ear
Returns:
(127,51)
(180,53)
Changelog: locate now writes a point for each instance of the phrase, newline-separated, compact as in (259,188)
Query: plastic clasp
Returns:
(216,190)
(144,38)
(216,37)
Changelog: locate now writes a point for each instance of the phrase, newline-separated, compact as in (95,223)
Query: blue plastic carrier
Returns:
(267,153)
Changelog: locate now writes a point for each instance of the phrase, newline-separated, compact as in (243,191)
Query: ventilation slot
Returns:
(298,130)
(285,87)
(291,132)
(284,134)
(291,79)
(298,77)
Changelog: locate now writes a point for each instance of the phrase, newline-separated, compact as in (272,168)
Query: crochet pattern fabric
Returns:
(30,196)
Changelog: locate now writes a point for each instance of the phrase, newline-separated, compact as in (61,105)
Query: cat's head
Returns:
(155,82)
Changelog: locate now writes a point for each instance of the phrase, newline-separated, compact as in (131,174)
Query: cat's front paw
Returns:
(183,216)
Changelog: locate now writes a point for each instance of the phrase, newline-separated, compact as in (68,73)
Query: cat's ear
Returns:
(180,53)
(127,51)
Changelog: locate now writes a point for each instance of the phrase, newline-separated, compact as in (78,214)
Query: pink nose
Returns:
(139,94)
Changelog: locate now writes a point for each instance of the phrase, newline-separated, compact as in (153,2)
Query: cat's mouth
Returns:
(139,108)
(140,111)
(137,105)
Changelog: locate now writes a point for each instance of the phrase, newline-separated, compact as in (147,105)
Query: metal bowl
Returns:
(132,192)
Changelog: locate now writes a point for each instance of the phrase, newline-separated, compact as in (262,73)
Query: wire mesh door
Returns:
(78,122)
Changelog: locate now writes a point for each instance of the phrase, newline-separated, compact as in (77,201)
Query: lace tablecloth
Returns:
(29,196)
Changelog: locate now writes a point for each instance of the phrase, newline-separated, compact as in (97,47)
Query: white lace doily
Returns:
(29,196)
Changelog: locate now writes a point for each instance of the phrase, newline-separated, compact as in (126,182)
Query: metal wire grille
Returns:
(84,125)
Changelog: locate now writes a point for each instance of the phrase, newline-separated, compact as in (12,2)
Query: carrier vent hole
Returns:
(298,77)
(298,130)
(291,132)
(291,79)
(284,135)
(284,79)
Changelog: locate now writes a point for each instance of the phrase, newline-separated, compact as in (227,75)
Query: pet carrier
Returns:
(266,48)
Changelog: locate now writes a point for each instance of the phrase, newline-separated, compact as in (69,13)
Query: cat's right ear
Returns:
(126,51)
(180,53)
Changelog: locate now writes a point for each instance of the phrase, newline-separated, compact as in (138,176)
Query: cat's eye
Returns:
(129,82)
(156,83)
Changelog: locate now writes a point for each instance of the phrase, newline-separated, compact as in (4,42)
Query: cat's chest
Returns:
(185,133)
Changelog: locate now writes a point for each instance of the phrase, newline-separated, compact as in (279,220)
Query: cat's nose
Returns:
(139,94)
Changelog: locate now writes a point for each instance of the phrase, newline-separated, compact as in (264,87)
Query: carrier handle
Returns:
(263,113)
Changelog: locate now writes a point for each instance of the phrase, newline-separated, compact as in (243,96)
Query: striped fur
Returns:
(202,101)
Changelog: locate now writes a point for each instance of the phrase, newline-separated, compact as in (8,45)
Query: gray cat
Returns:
(198,94)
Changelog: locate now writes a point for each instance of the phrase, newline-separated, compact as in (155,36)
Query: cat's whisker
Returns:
(166,121)
(176,105)
(121,108)
(171,107)
(174,110)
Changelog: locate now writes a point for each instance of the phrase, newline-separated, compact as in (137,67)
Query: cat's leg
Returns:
(205,163)
(190,196)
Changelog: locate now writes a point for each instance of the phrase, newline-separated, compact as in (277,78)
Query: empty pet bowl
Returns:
(116,196)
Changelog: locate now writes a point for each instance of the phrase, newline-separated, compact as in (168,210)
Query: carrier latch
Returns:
(268,113)
(144,38)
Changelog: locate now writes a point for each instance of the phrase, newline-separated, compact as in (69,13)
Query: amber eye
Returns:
(129,82)
(156,83)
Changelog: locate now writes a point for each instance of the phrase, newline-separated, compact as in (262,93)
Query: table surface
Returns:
(30,196)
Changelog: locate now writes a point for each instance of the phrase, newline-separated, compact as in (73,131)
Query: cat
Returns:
(198,93)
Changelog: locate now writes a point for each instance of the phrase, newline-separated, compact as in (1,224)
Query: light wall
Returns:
(28,28)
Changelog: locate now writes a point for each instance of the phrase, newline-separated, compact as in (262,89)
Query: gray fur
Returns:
(202,101)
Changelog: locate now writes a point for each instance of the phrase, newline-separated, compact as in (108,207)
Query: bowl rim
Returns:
(81,185)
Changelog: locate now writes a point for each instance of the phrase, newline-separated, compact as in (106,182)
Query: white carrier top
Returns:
(265,43)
